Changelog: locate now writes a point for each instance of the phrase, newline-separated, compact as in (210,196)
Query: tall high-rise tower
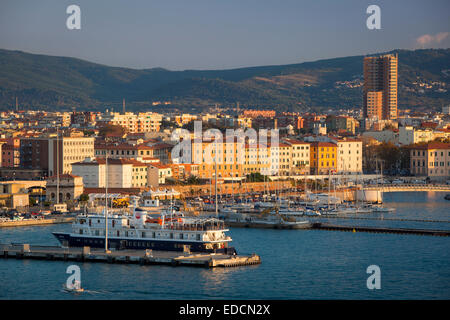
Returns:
(380,87)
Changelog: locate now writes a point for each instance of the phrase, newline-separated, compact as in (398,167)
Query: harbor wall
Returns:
(35,222)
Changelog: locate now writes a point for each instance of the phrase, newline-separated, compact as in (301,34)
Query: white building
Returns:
(120,173)
(299,156)
(409,135)
(349,155)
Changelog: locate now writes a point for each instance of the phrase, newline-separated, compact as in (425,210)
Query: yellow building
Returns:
(229,165)
(323,157)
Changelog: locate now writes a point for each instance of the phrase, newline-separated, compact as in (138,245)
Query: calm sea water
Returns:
(296,264)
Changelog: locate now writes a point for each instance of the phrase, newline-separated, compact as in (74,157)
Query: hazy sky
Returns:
(218,34)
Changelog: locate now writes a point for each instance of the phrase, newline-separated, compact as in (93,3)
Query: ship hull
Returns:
(67,239)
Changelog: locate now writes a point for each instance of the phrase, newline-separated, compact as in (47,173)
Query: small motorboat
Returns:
(447,197)
(75,288)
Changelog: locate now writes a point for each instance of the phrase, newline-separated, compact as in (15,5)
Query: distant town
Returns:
(49,158)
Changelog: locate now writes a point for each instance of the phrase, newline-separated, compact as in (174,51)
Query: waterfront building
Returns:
(349,155)
(13,195)
(70,188)
(122,173)
(431,160)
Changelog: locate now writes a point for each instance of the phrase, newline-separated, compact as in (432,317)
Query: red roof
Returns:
(64,176)
(431,145)
(111,161)
(323,144)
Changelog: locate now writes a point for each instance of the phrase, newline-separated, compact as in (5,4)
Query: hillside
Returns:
(50,82)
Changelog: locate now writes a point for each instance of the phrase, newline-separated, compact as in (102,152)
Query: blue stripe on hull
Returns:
(137,244)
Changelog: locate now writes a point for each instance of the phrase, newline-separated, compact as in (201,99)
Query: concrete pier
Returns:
(145,257)
(423,232)
(35,222)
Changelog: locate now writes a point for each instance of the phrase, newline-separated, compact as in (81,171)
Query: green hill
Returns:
(41,81)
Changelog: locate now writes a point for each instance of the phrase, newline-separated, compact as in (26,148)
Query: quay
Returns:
(424,232)
(262,225)
(143,257)
(408,187)
(36,222)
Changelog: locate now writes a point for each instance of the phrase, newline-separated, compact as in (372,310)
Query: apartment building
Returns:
(134,123)
(229,157)
(349,155)
(380,87)
(323,157)
(300,156)
(52,153)
(156,152)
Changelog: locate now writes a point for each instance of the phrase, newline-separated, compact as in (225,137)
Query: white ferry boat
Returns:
(169,232)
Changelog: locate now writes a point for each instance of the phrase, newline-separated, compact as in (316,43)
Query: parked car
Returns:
(397,181)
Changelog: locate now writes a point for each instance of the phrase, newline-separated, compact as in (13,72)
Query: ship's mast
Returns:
(106,201)
(57,165)
(215,182)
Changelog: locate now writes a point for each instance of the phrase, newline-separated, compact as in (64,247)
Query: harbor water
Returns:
(296,264)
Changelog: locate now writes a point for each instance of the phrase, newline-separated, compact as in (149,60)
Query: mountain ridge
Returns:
(53,82)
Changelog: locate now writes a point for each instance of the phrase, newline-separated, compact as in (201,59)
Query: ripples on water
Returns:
(296,264)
